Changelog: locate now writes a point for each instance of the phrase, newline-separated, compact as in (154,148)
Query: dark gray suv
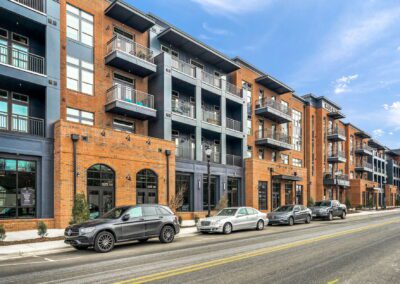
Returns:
(122,224)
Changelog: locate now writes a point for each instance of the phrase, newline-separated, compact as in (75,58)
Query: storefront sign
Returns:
(27,197)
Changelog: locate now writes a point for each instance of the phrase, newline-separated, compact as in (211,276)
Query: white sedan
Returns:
(233,219)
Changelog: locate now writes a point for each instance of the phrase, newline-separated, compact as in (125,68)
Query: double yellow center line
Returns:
(226,260)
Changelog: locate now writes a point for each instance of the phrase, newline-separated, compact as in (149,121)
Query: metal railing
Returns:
(267,102)
(269,134)
(131,47)
(185,152)
(184,108)
(213,117)
(364,147)
(232,89)
(37,5)
(337,131)
(215,156)
(233,124)
(336,176)
(364,164)
(337,154)
(21,124)
(21,59)
(249,110)
(233,160)
(127,94)
(183,67)
(211,79)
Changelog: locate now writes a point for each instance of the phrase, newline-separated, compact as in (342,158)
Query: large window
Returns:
(80,116)
(182,183)
(297,135)
(79,25)
(213,190)
(147,187)
(17,188)
(299,194)
(262,195)
(233,191)
(79,75)
(297,162)
(276,195)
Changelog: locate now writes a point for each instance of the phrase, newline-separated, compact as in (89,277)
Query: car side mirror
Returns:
(125,217)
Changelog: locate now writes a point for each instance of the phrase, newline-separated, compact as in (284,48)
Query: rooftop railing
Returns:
(21,124)
(131,47)
(129,95)
(22,59)
(37,5)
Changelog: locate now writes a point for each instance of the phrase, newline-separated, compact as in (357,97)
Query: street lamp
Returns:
(208,152)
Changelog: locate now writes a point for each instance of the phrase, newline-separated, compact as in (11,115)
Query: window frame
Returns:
(81,18)
(79,117)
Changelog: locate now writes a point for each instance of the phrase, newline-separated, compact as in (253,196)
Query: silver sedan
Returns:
(233,219)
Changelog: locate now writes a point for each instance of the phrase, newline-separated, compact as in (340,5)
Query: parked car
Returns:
(122,224)
(233,219)
(328,209)
(289,215)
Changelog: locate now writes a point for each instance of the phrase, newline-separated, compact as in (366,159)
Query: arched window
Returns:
(101,190)
(146,187)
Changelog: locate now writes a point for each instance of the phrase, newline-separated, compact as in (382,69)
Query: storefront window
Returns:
(262,195)
(213,190)
(233,191)
(276,195)
(17,189)
(182,183)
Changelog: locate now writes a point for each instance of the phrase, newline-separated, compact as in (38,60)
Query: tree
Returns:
(222,203)
(348,203)
(177,200)
(42,229)
(80,210)
(2,232)
(310,202)
(370,203)
(398,200)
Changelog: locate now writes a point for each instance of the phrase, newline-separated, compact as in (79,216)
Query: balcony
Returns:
(215,155)
(337,179)
(233,124)
(233,90)
(127,55)
(183,67)
(36,5)
(185,152)
(364,166)
(211,79)
(337,157)
(336,135)
(233,160)
(184,108)
(274,140)
(364,150)
(127,101)
(22,60)
(273,110)
(213,117)
(19,124)
(336,114)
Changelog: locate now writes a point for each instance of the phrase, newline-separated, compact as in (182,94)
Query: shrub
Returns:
(359,207)
(42,229)
(348,203)
(2,232)
(370,203)
(196,219)
(310,202)
(80,210)
(398,201)
(180,220)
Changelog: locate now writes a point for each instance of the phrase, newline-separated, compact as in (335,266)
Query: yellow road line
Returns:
(242,256)
(333,281)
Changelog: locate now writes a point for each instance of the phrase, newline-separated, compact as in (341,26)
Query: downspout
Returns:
(167,154)
(75,139)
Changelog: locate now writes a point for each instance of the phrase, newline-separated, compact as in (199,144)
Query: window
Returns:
(165,49)
(299,195)
(122,32)
(261,154)
(262,195)
(273,156)
(17,188)
(182,183)
(249,130)
(80,116)
(197,64)
(242,211)
(135,212)
(276,195)
(149,211)
(249,153)
(297,130)
(146,187)
(125,126)
(285,159)
(297,162)
(213,189)
(79,75)
(79,25)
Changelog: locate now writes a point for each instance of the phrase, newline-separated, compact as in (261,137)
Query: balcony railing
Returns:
(337,154)
(215,156)
(185,152)
(336,176)
(123,44)
(233,124)
(211,79)
(37,5)
(337,131)
(184,108)
(183,67)
(269,134)
(267,102)
(233,160)
(21,59)
(364,164)
(213,117)
(364,147)
(21,124)
(127,94)
(232,89)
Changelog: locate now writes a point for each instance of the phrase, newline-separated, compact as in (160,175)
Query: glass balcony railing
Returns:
(267,102)
(184,108)
(215,156)
(185,152)
(269,134)
(21,124)
(364,147)
(213,117)
(232,89)
(123,44)
(336,131)
(211,79)
(129,95)
(364,164)
(233,160)
(183,67)
(337,154)
(22,59)
(233,124)
(37,5)
(331,176)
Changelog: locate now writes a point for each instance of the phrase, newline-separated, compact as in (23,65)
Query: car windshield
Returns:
(323,203)
(115,213)
(286,208)
(227,212)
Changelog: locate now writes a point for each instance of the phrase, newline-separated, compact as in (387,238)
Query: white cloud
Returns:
(216,31)
(398,48)
(377,133)
(342,84)
(395,106)
(229,7)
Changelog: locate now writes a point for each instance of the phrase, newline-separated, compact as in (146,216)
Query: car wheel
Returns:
(143,240)
(291,221)
(80,247)
(260,225)
(104,242)
(167,235)
(308,219)
(343,216)
(227,228)
(330,216)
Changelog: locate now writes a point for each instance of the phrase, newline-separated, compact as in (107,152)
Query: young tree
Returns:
(222,203)
(348,203)
(2,232)
(177,200)
(42,229)
(80,210)
(310,202)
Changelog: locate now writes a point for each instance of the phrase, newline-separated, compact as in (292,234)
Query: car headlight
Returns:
(88,230)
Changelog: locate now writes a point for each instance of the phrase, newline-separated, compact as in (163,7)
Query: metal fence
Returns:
(131,47)
(21,124)
(22,59)
(37,5)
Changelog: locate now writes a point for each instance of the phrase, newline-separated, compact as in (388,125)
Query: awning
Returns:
(186,43)
(363,135)
(287,177)
(274,84)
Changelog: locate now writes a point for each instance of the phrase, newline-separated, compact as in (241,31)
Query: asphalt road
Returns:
(356,250)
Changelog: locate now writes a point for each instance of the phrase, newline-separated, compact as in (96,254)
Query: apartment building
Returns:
(29,107)
(393,176)
(275,167)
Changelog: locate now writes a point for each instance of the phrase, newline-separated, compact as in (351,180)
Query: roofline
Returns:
(276,81)
(322,98)
(248,65)
(299,98)
(131,7)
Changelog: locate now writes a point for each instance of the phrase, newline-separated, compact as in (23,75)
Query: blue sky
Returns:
(348,51)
